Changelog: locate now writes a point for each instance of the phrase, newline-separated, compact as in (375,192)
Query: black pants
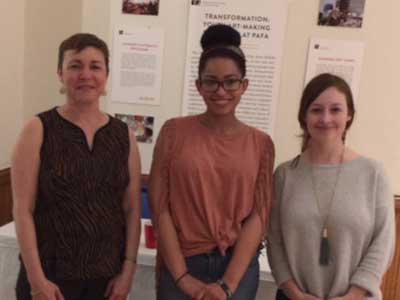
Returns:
(91,289)
(280,295)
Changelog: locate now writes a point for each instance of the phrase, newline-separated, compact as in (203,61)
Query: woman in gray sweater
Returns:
(332,226)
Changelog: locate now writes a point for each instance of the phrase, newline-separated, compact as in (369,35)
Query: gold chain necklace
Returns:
(324,252)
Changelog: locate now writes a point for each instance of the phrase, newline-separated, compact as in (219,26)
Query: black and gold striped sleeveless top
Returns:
(79,219)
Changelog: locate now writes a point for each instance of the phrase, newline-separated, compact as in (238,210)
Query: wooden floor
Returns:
(391,281)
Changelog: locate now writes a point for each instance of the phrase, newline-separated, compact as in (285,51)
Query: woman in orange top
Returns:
(210,186)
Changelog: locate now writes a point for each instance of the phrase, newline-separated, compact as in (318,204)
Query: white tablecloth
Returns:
(143,286)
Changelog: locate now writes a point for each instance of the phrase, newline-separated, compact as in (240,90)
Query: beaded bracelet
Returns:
(35,293)
(226,288)
(180,277)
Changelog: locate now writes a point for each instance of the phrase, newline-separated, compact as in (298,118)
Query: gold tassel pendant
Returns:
(324,252)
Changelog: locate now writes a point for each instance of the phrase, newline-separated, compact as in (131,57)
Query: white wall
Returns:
(11,71)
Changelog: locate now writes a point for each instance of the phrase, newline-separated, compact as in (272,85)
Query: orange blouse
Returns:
(210,182)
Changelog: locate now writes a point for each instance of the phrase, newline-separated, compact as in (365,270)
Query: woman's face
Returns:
(83,74)
(221,100)
(327,116)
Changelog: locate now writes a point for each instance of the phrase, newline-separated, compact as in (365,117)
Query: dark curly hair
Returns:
(221,40)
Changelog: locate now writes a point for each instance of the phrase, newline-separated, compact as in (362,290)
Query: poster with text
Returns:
(338,57)
(137,65)
(262,27)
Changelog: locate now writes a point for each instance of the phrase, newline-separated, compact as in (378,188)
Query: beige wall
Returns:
(11,71)
(376,129)
(47,23)
(30,32)
(29,84)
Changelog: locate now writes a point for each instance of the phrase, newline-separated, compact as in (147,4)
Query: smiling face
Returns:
(83,74)
(327,116)
(221,102)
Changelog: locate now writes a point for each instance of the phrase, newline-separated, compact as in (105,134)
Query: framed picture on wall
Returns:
(141,125)
(140,7)
(343,13)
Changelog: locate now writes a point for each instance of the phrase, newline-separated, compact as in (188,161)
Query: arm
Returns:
(275,246)
(167,238)
(380,251)
(24,177)
(246,246)
(120,286)
(168,245)
(254,228)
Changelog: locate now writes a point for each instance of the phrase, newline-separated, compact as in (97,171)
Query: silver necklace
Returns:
(324,252)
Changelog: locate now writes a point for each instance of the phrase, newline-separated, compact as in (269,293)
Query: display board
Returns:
(377,125)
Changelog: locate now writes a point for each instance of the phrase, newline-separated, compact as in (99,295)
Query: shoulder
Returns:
(178,124)
(31,137)
(33,127)
(367,166)
(261,137)
(182,121)
(288,167)
(115,122)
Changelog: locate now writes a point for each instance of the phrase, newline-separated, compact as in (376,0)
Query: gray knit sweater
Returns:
(361,227)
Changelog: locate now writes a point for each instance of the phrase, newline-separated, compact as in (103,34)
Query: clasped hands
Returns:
(198,290)
(348,296)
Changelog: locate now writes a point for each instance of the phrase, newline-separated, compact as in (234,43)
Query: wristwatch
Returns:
(226,288)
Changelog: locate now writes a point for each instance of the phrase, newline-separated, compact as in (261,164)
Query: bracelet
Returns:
(180,277)
(132,260)
(226,288)
(35,293)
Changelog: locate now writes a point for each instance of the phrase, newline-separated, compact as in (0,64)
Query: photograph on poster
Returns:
(141,125)
(140,7)
(344,13)
(195,2)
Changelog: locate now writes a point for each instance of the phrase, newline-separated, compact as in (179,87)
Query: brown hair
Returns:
(311,92)
(80,41)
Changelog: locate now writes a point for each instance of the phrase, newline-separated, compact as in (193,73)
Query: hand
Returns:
(192,287)
(213,292)
(348,297)
(118,288)
(47,290)
(305,296)
(354,293)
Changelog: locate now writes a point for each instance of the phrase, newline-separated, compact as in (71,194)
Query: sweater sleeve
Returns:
(263,188)
(159,173)
(380,251)
(276,252)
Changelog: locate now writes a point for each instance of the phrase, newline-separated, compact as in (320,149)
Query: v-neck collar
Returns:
(89,149)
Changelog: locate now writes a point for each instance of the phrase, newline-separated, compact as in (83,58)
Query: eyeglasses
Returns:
(229,85)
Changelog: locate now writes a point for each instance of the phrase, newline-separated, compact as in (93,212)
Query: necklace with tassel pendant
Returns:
(325,251)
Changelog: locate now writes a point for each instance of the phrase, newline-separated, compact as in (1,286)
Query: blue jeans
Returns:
(209,268)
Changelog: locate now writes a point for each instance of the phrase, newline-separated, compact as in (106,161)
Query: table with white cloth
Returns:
(143,286)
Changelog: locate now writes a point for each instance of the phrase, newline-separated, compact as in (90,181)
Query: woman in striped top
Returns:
(76,187)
